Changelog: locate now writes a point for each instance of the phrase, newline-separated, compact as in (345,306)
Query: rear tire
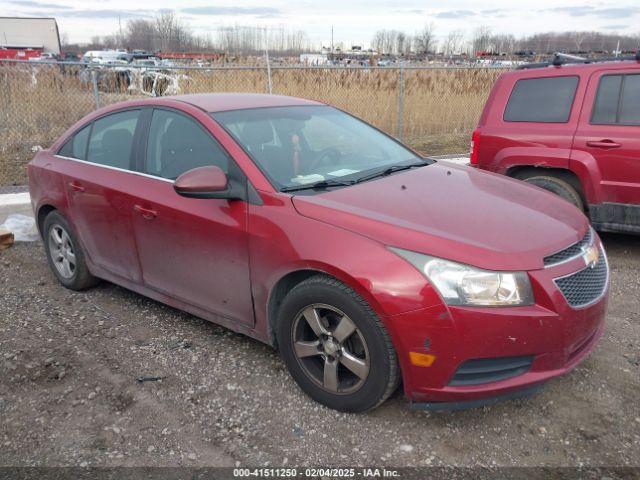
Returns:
(335,346)
(560,187)
(65,255)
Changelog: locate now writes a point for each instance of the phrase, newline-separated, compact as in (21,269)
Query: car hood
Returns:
(454,212)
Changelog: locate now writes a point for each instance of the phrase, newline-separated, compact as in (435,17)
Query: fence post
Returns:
(269,85)
(96,93)
(400,101)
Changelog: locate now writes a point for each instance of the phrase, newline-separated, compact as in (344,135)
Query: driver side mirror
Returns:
(205,182)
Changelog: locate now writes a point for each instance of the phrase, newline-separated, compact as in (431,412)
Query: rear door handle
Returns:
(603,144)
(146,213)
(75,187)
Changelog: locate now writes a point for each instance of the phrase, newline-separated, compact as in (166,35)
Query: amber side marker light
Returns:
(421,359)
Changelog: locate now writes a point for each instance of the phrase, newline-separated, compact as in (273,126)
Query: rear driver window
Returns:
(544,100)
(112,139)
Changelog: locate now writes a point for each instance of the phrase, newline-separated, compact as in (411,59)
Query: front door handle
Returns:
(145,213)
(76,187)
(603,144)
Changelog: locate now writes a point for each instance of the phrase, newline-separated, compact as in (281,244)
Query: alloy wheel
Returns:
(330,349)
(62,252)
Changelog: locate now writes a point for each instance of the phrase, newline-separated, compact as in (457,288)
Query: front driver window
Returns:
(177,144)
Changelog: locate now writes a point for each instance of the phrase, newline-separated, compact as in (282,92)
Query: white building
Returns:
(30,32)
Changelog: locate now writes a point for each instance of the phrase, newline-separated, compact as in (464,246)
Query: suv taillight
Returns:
(475,144)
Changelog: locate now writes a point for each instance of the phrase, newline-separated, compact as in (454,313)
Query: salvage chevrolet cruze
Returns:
(306,228)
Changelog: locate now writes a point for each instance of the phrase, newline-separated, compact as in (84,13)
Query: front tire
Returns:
(65,255)
(335,346)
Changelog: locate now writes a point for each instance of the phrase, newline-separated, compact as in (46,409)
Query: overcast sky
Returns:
(354,21)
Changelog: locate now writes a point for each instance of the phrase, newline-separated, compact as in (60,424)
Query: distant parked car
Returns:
(299,225)
(45,57)
(573,129)
(71,57)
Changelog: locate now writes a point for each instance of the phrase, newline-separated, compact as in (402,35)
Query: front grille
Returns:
(487,370)
(574,250)
(587,285)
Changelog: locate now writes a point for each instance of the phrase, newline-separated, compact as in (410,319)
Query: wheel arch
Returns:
(44,210)
(292,278)
(522,172)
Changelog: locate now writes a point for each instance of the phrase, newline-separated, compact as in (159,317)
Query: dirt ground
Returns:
(110,378)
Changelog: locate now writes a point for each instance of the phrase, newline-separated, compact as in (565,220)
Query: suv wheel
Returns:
(335,347)
(558,186)
(64,253)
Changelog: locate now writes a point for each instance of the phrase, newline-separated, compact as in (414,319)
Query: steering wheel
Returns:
(326,157)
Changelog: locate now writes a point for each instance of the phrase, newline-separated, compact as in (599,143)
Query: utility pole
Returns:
(331,42)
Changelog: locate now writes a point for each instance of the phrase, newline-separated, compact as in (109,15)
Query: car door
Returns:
(98,180)
(193,250)
(609,132)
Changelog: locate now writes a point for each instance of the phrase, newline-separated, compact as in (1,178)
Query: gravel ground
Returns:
(110,378)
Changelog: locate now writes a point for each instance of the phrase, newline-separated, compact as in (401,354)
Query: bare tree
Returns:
(140,34)
(481,40)
(453,42)
(424,40)
(401,39)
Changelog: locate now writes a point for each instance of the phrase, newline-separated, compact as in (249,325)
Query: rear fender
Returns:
(541,157)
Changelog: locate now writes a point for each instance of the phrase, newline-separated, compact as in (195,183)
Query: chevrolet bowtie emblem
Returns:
(591,255)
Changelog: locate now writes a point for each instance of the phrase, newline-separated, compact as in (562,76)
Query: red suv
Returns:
(571,128)
(306,228)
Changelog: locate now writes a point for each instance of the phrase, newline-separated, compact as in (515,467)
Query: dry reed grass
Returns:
(441,106)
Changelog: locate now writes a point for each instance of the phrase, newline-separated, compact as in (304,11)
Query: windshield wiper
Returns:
(320,184)
(390,170)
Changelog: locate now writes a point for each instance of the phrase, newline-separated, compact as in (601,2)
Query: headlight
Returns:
(461,284)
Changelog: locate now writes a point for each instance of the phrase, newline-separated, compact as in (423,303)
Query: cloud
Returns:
(582,11)
(573,11)
(615,27)
(35,4)
(106,13)
(212,10)
(614,12)
(455,14)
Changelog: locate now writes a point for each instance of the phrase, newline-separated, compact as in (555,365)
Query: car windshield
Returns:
(300,146)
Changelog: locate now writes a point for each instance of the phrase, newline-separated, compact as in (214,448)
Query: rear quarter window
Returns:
(543,100)
(76,146)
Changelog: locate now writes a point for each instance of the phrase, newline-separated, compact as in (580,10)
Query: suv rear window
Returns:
(545,100)
(617,100)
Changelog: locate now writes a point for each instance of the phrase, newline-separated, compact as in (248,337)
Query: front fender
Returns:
(386,281)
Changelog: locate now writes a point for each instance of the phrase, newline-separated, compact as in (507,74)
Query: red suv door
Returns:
(194,250)
(609,135)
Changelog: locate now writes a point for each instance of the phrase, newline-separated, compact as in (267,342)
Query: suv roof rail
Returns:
(560,59)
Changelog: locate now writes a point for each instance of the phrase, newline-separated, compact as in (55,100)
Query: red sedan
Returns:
(308,229)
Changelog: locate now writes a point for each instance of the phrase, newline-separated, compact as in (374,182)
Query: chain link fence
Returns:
(434,110)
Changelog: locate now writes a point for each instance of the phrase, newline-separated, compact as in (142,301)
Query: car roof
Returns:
(220,102)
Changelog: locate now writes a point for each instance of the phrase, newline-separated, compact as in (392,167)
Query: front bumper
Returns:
(555,336)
